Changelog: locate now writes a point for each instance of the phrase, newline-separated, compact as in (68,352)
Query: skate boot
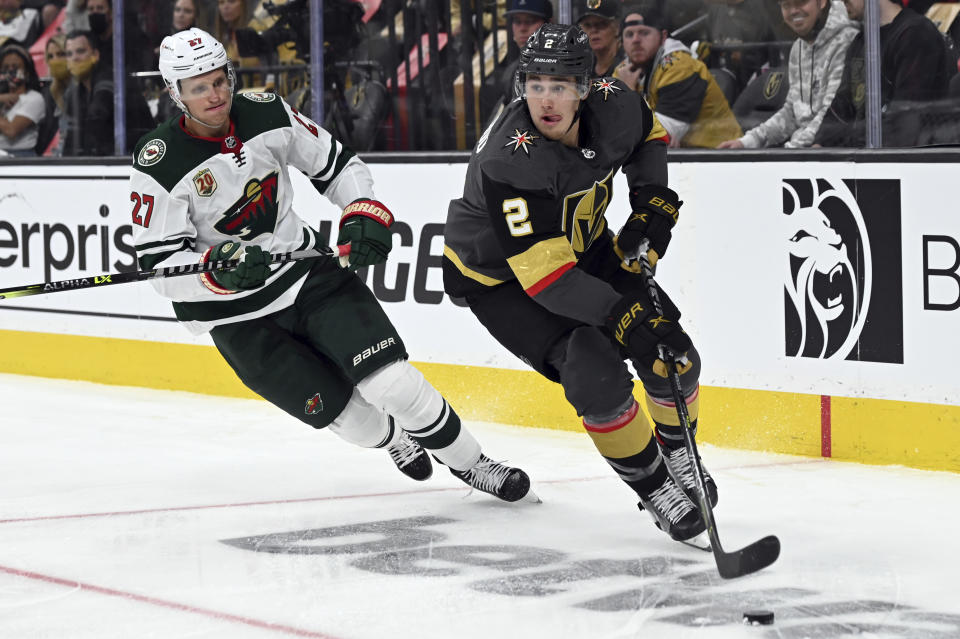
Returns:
(672,511)
(682,470)
(412,460)
(504,482)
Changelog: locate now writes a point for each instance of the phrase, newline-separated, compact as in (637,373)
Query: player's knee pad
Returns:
(402,391)
(595,380)
(361,423)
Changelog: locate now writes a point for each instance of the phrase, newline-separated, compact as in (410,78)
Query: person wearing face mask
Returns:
(136,57)
(22,25)
(88,101)
(56,58)
(815,68)
(21,105)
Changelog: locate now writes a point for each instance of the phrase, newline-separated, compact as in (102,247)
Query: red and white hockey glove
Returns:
(365,228)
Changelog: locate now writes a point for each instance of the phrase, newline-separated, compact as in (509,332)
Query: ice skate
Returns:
(412,460)
(672,511)
(682,470)
(494,478)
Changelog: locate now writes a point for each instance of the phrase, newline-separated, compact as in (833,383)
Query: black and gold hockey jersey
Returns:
(532,208)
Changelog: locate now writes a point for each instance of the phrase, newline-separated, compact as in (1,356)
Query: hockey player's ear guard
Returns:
(556,49)
(188,54)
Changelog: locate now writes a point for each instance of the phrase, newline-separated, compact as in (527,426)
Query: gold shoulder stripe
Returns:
(467,271)
(541,260)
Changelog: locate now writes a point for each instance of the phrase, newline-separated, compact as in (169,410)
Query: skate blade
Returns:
(700,542)
(531,497)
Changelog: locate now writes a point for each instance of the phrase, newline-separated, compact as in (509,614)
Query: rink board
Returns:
(865,372)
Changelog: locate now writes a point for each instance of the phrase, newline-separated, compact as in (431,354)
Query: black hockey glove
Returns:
(655,212)
(635,324)
(253,271)
(365,227)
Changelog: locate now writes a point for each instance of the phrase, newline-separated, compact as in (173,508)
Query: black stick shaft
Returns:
(99,281)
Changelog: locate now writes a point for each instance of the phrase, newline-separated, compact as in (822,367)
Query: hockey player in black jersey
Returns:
(308,336)
(528,248)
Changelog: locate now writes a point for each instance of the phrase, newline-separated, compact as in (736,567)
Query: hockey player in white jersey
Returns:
(307,335)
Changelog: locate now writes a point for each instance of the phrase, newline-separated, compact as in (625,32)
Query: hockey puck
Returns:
(758,617)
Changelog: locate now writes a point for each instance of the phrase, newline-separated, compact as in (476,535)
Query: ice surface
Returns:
(134,513)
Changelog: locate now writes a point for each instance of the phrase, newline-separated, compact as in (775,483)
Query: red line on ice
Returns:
(163,603)
(273,502)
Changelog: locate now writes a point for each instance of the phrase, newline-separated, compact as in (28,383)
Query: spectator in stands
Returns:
(185,15)
(136,56)
(76,18)
(88,101)
(600,20)
(231,15)
(677,86)
(88,113)
(56,58)
(524,17)
(19,24)
(49,10)
(815,68)
(21,105)
(740,22)
(913,68)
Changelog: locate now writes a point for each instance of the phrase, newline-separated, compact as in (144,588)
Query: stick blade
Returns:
(749,559)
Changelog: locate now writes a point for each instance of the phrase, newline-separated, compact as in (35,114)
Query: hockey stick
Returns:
(99,281)
(730,565)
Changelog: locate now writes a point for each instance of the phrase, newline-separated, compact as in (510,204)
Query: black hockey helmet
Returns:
(556,49)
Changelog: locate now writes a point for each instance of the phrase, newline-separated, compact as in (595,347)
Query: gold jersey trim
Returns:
(467,271)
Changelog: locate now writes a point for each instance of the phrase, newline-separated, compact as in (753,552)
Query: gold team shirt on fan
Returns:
(532,208)
(189,193)
(681,87)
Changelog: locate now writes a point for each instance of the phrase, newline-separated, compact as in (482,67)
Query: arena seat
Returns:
(762,97)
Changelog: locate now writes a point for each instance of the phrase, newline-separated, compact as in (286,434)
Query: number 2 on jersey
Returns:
(517,213)
(142,201)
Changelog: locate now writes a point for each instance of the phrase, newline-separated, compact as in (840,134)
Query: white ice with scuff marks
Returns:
(867,551)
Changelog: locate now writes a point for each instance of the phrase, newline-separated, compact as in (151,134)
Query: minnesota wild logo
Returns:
(255,212)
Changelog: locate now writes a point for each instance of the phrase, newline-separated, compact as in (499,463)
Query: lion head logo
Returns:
(828,279)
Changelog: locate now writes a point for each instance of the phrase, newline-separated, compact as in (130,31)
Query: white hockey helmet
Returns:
(191,53)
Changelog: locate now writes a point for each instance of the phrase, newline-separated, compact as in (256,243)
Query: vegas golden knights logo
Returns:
(583,211)
(773,84)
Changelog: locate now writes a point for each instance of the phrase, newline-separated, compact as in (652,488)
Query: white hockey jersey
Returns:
(191,193)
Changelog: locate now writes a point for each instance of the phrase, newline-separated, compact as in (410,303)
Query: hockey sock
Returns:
(664,413)
(625,441)
(360,423)
(421,411)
